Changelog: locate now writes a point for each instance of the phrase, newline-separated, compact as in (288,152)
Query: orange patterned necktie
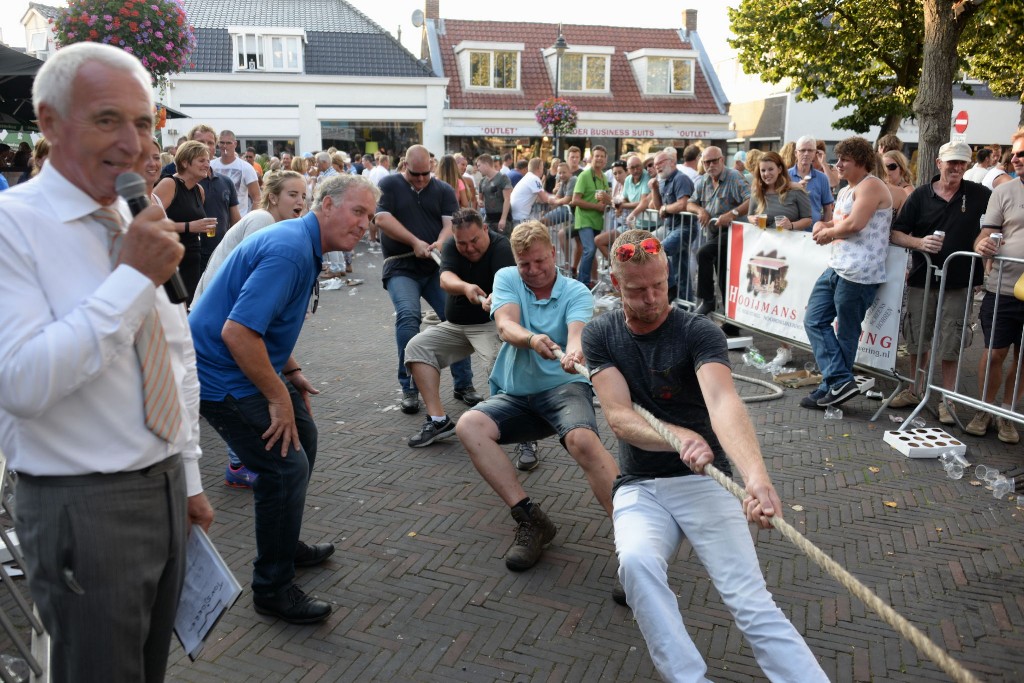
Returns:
(159,391)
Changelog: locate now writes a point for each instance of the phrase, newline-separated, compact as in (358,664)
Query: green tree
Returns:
(863,53)
(987,46)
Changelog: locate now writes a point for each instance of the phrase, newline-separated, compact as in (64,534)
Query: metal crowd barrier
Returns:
(1014,412)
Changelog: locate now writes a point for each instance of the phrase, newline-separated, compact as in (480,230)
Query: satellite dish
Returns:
(417,18)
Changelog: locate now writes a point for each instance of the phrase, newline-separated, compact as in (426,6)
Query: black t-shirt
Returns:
(458,309)
(924,212)
(421,213)
(660,369)
(220,197)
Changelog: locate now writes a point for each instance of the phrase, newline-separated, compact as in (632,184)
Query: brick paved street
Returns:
(421,593)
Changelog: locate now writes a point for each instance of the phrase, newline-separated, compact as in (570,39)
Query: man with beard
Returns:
(676,365)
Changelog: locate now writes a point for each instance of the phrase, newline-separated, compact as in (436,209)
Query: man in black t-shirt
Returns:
(953,207)
(469,260)
(415,217)
(676,365)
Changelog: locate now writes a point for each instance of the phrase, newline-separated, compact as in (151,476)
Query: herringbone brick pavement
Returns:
(421,593)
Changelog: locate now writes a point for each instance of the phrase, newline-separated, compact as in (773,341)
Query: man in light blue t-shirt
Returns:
(533,395)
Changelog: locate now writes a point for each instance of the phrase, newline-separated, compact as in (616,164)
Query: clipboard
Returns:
(208,591)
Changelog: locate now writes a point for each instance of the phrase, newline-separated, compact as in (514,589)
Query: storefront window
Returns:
(392,137)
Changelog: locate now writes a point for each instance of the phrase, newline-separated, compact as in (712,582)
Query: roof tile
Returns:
(537,83)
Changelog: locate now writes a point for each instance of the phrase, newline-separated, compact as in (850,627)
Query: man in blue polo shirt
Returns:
(814,181)
(670,196)
(253,391)
(537,311)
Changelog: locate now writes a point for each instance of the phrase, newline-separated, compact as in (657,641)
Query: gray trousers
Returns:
(105,559)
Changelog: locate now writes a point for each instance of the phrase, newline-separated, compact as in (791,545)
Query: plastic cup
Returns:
(833,413)
(955,471)
(778,222)
(981,471)
(212,231)
(762,220)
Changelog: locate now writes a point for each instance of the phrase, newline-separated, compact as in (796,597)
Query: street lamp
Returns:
(560,47)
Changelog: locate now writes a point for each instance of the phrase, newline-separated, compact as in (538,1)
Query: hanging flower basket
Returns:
(155,31)
(557,115)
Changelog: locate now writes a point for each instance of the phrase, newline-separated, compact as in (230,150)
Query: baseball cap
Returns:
(955,151)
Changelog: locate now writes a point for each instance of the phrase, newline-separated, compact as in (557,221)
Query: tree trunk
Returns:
(1020,121)
(934,104)
(891,124)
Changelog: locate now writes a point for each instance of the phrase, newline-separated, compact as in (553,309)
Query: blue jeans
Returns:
(677,246)
(651,518)
(834,298)
(279,493)
(586,236)
(405,293)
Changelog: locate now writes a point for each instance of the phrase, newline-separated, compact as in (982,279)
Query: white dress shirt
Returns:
(70,380)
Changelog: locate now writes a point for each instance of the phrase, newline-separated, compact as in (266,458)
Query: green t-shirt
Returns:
(587,184)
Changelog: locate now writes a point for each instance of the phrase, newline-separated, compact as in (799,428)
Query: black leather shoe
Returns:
(311,555)
(292,605)
(705,307)
(410,403)
(619,594)
(469,396)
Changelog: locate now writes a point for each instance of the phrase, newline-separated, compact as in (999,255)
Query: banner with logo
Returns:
(770,277)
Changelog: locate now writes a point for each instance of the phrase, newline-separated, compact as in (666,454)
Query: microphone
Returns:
(132,187)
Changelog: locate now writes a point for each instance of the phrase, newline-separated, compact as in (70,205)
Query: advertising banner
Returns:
(770,277)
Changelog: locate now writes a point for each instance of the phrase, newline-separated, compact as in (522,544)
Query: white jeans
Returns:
(651,518)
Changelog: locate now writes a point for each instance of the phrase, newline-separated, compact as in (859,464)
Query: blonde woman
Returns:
(773,193)
(897,171)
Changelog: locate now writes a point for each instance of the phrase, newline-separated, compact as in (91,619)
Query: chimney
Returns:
(689,21)
(433,9)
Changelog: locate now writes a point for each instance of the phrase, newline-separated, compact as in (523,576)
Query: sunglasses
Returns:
(892,167)
(314,300)
(714,161)
(627,251)
(1018,155)
(414,174)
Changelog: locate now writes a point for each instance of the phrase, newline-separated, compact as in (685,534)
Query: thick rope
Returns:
(921,641)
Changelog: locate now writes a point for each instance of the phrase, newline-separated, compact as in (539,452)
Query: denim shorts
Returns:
(530,418)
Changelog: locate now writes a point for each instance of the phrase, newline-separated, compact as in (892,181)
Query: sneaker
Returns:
(432,431)
(534,532)
(526,456)
(292,605)
(811,400)
(410,402)
(904,399)
(1007,432)
(946,413)
(242,478)
(468,395)
(979,424)
(841,394)
(619,594)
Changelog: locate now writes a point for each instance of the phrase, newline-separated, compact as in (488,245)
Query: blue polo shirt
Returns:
(522,372)
(265,285)
(819,191)
(672,189)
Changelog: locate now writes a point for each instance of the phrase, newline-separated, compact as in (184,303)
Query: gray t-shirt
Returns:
(660,369)
(493,191)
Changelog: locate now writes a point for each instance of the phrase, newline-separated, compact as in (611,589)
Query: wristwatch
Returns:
(734,212)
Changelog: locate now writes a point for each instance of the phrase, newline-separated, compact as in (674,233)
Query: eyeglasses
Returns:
(1018,154)
(649,164)
(806,151)
(314,301)
(421,174)
(627,251)
(892,167)
(714,161)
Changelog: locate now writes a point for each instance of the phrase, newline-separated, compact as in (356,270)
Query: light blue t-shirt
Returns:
(522,372)
(265,285)
(819,191)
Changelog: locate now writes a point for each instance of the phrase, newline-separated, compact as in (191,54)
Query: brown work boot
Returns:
(1007,431)
(904,399)
(979,424)
(534,532)
(946,413)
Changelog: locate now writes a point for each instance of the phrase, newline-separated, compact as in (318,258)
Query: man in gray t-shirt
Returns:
(496,192)
(562,196)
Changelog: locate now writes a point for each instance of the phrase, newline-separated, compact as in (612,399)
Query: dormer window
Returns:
(489,66)
(585,68)
(267,49)
(664,72)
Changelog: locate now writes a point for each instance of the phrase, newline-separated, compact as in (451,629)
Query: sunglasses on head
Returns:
(892,167)
(415,174)
(627,251)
